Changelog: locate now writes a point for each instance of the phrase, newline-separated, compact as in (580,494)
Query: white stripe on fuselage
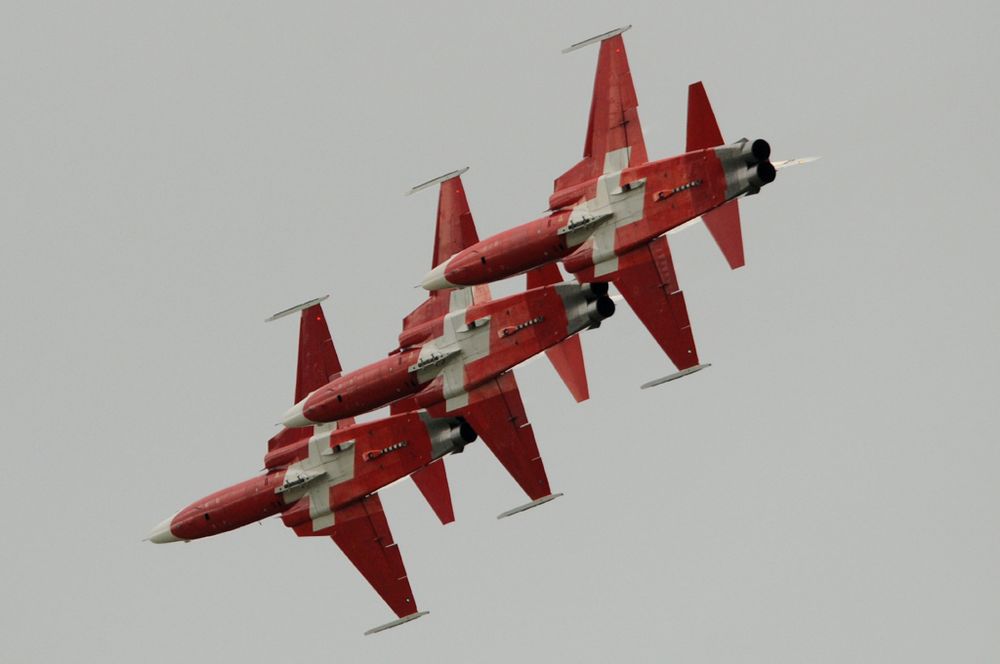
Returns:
(337,466)
(622,208)
(461,344)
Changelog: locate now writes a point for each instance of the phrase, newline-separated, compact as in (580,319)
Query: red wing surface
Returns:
(647,280)
(362,533)
(455,230)
(614,118)
(497,414)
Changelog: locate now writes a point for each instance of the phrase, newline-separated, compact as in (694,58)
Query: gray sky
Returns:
(172,173)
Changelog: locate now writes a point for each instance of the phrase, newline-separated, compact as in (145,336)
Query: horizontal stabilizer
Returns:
(702,129)
(567,355)
(528,506)
(724,224)
(675,376)
(432,480)
(396,623)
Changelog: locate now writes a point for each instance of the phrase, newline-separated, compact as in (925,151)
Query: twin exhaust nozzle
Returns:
(760,171)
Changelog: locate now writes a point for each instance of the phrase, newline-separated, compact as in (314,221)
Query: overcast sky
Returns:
(173,173)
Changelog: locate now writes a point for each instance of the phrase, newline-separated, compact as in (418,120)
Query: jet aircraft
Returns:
(608,214)
(322,477)
(456,351)
(324,480)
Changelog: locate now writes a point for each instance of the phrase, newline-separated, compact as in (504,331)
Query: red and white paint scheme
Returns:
(456,350)
(324,480)
(609,213)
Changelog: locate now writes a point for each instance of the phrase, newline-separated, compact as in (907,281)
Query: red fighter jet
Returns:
(610,212)
(323,480)
(456,351)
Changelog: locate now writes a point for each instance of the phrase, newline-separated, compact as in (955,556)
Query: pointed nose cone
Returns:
(161,534)
(435,280)
(294,418)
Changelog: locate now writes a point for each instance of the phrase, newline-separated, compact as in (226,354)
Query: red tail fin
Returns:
(432,480)
(702,129)
(567,355)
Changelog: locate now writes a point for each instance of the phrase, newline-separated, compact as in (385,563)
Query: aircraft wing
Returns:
(614,118)
(318,363)
(362,532)
(648,282)
(455,230)
(496,412)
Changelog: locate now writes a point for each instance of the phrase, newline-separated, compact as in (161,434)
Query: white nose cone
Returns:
(161,534)
(434,280)
(294,417)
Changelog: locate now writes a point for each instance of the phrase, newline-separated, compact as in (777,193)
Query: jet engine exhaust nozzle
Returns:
(601,308)
(761,174)
(597,289)
(760,149)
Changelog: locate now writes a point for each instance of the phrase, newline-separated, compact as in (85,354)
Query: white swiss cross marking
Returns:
(321,470)
(458,345)
(619,208)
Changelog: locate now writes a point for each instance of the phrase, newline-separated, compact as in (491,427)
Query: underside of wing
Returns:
(454,231)
(496,412)
(362,533)
(614,119)
(318,362)
(648,282)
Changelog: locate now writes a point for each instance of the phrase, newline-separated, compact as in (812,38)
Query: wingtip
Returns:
(396,623)
(598,38)
(528,506)
(433,181)
(298,307)
(674,376)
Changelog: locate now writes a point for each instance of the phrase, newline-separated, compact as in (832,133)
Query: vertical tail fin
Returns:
(567,355)
(703,132)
